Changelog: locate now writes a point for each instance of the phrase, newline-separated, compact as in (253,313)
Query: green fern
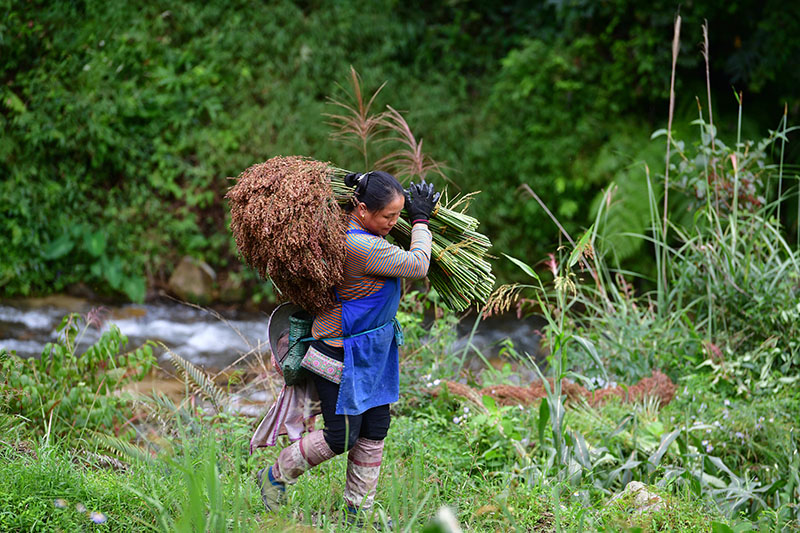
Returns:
(199,380)
(122,448)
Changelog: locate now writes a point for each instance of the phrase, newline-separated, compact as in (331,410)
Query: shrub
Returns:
(66,390)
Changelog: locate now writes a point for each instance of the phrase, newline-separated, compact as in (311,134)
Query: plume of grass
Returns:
(459,269)
(780,168)
(711,130)
(676,41)
(199,380)
(410,160)
(166,410)
(356,125)
(708,83)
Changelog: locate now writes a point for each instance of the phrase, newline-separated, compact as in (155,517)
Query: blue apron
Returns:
(371,373)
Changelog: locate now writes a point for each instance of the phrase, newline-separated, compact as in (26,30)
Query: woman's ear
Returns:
(362,209)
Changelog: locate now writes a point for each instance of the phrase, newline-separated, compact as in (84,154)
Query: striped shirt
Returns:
(369,260)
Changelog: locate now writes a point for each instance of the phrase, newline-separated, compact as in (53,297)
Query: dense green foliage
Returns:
(121,122)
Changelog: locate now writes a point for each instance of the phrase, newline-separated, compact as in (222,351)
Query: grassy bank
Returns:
(206,484)
(170,465)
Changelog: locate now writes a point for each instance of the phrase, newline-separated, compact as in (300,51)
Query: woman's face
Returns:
(382,221)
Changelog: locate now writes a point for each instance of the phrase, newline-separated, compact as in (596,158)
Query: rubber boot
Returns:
(273,492)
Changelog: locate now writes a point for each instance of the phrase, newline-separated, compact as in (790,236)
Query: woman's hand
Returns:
(421,198)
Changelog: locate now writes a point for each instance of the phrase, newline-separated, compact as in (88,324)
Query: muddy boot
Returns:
(273,492)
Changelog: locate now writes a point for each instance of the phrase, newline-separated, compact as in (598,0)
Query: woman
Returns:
(358,337)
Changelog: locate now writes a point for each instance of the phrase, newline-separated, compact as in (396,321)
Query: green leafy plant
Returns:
(68,389)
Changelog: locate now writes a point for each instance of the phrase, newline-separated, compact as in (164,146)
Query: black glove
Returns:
(421,198)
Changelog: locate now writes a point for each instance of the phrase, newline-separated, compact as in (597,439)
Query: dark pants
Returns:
(372,424)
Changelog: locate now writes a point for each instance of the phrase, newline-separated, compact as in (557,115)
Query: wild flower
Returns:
(552,264)
(60,503)
(80,507)
(727,402)
(97,316)
(98,517)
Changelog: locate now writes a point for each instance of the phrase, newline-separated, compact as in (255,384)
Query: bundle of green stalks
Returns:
(459,269)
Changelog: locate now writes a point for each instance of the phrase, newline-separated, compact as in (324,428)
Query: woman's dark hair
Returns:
(376,189)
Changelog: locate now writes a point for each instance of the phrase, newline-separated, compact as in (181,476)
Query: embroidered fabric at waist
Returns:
(323,364)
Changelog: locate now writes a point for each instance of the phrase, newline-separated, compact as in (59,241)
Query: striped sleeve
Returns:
(388,260)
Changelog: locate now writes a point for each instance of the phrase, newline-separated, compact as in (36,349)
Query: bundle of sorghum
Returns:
(288,226)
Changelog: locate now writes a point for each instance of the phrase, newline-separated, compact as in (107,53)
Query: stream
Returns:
(218,339)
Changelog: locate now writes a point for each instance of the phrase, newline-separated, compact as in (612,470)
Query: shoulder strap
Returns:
(360,232)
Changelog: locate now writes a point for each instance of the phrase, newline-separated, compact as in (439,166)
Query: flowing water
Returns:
(217,340)
(206,338)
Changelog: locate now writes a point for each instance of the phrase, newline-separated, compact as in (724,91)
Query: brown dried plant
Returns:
(356,125)
(289,228)
(658,385)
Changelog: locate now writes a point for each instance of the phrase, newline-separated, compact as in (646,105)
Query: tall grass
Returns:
(664,235)
(723,310)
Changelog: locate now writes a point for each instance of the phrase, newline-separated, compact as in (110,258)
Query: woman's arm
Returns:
(388,260)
